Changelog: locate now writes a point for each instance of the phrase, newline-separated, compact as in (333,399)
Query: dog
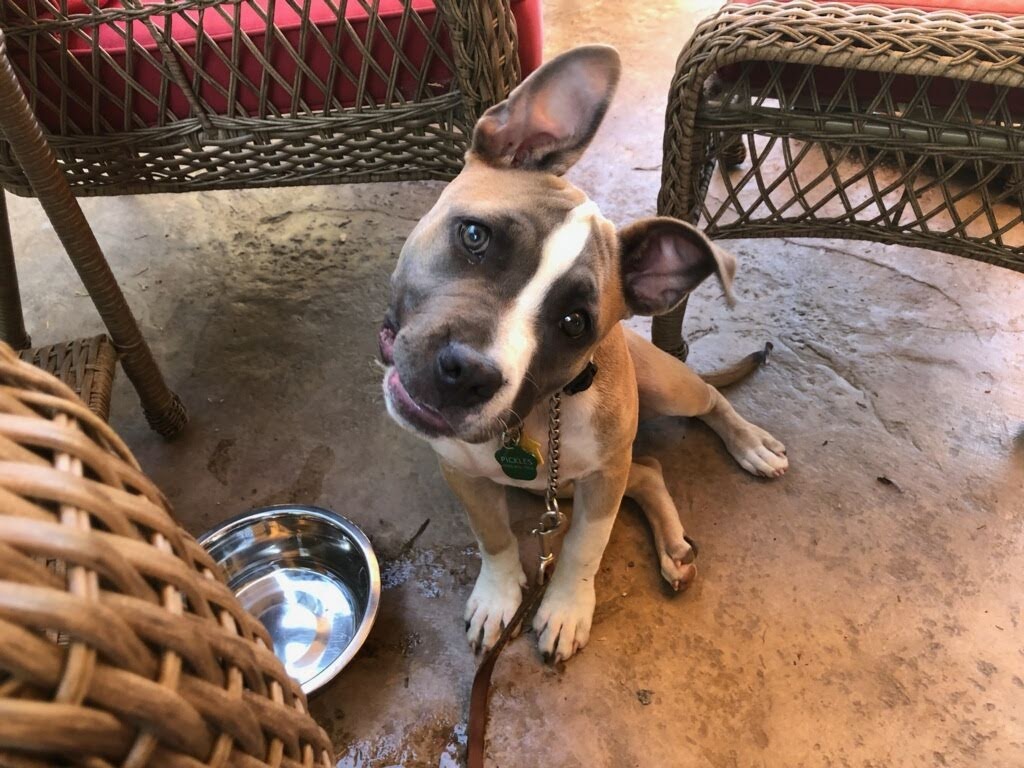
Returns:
(510,288)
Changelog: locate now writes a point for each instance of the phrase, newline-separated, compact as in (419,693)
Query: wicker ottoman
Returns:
(898,124)
(120,643)
(86,366)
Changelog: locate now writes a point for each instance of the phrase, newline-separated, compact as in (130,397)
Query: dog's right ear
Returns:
(663,259)
(550,118)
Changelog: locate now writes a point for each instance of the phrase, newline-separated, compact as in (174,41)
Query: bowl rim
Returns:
(210,538)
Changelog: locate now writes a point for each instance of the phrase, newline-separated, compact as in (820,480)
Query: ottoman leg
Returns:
(680,197)
(12,322)
(667,332)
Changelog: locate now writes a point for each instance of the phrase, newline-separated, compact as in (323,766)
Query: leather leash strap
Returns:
(478,699)
(551,521)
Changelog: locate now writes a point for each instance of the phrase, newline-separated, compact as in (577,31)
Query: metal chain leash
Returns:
(552,519)
(554,447)
(550,523)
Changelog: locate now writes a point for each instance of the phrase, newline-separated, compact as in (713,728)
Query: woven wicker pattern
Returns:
(899,126)
(238,103)
(119,643)
(860,122)
(86,366)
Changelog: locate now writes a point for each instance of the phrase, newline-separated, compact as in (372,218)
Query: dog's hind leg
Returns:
(667,387)
(646,486)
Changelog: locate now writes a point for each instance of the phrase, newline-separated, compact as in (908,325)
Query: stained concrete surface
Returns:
(838,620)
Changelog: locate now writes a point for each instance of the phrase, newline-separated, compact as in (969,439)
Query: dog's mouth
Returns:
(417,415)
(410,412)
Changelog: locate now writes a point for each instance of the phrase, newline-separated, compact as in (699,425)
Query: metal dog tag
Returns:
(519,460)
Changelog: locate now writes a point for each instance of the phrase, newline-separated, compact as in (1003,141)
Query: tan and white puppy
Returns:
(503,293)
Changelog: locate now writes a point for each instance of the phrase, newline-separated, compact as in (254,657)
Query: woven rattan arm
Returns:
(163,409)
(926,143)
(12,322)
(486,49)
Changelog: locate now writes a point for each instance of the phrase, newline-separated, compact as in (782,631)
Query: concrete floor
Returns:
(836,621)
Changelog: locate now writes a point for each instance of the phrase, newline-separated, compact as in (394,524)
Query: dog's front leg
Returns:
(498,589)
(563,620)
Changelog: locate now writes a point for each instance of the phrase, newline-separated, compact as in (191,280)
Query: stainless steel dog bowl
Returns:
(310,576)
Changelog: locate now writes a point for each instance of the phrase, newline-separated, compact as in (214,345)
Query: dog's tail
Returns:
(740,370)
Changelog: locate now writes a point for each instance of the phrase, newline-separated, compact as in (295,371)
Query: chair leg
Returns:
(12,322)
(164,410)
(667,332)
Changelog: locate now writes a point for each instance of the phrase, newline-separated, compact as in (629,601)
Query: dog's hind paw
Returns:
(677,565)
(563,620)
(493,603)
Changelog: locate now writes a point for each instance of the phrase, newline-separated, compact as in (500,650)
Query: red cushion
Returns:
(531,33)
(74,7)
(828,80)
(1002,7)
(121,107)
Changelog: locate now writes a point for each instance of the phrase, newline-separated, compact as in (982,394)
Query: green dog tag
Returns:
(517,463)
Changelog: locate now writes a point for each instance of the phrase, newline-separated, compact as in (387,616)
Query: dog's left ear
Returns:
(663,259)
(550,118)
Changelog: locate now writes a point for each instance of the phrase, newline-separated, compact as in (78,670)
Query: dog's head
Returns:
(504,289)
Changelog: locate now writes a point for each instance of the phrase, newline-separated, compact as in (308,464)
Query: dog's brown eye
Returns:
(475,238)
(574,324)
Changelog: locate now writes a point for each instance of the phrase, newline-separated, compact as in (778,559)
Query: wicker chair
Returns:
(102,97)
(120,643)
(897,125)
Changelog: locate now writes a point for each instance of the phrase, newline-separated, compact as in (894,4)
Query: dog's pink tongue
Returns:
(386,345)
(423,415)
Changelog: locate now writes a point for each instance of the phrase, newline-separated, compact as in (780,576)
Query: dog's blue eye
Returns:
(475,238)
(573,324)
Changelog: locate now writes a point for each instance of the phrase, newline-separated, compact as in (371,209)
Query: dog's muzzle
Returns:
(454,385)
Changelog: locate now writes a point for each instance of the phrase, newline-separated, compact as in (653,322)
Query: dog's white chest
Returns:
(580,447)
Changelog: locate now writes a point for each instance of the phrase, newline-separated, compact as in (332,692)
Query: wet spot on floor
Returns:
(220,460)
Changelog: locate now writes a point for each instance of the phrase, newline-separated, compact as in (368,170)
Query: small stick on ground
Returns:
(408,545)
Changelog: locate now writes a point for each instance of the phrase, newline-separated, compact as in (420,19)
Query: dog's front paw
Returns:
(495,598)
(563,620)
(757,451)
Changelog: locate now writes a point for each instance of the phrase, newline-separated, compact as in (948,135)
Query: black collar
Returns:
(582,382)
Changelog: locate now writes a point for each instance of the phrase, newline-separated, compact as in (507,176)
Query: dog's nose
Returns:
(464,377)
